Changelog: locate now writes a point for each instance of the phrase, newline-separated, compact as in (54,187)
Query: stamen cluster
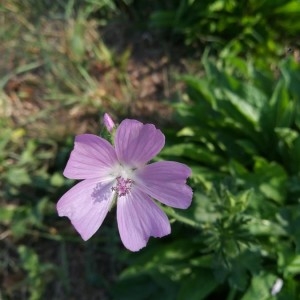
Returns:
(123,186)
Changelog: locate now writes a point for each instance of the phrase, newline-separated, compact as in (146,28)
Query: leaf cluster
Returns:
(231,26)
(241,138)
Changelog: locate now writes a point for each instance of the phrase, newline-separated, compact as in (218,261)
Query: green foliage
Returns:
(249,25)
(36,272)
(240,134)
(240,137)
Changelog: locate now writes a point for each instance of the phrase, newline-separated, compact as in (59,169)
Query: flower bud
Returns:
(108,122)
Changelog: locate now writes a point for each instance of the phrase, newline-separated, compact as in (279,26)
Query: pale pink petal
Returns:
(165,181)
(86,205)
(92,157)
(136,143)
(138,219)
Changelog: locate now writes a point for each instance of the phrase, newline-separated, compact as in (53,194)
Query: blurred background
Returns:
(220,78)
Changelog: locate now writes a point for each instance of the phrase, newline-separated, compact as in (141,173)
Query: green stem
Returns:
(171,213)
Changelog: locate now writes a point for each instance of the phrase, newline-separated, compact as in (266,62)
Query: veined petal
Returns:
(165,181)
(138,219)
(136,143)
(92,157)
(86,205)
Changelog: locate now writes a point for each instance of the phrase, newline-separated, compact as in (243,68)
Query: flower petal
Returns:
(92,157)
(86,205)
(136,143)
(138,219)
(165,181)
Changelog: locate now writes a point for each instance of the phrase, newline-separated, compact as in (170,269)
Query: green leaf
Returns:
(291,73)
(6,214)
(260,287)
(18,176)
(278,113)
(245,264)
(282,106)
(290,7)
(142,287)
(269,178)
(36,271)
(199,154)
(293,266)
(198,285)
(57,180)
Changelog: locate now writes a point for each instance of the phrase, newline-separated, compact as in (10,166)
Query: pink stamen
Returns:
(123,186)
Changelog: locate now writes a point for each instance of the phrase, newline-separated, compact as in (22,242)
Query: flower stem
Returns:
(171,213)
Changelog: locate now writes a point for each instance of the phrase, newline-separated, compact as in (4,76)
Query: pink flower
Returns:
(121,173)
(108,122)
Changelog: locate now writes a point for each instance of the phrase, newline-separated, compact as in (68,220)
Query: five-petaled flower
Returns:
(121,172)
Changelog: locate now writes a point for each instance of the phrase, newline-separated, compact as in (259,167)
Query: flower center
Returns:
(123,186)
